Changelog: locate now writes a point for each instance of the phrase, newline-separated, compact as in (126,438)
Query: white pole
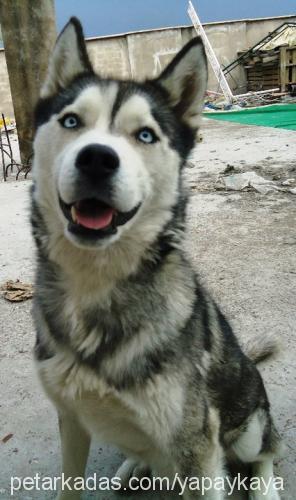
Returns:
(210,53)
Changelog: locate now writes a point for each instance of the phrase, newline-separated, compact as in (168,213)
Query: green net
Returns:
(276,115)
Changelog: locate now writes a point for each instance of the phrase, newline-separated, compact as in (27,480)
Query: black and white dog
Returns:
(130,348)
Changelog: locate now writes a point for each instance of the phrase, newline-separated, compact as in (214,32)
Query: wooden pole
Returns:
(28,30)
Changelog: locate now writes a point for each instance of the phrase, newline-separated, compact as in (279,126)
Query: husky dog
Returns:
(130,348)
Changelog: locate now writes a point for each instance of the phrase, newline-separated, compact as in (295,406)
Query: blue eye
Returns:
(146,135)
(70,121)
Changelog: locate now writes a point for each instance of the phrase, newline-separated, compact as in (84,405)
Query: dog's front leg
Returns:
(199,481)
(75,443)
(199,472)
(200,462)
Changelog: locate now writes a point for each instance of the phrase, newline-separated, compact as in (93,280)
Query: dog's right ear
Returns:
(185,80)
(69,59)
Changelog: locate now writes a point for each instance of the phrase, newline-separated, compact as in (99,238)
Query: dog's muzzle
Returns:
(92,215)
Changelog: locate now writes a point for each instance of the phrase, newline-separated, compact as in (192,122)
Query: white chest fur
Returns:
(136,420)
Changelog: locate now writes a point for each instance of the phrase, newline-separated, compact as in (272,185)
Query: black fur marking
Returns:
(58,331)
(206,328)
(164,246)
(235,398)
(50,297)
(36,226)
(271,438)
(124,92)
(115,331)
(181,136)
(198,324)
(169,238)
(111,330)
(116,327)
(265,446)
(144,368)
(53,105)
(41,351)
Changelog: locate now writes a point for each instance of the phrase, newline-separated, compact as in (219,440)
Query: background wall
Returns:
(143,54)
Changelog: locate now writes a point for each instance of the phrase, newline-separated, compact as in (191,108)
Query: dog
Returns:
(130,348)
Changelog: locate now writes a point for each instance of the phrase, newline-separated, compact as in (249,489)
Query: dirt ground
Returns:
(243,245)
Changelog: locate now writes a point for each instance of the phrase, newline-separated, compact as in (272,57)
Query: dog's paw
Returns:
(129,469)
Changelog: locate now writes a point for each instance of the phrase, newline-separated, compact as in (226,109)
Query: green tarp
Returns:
(276,115)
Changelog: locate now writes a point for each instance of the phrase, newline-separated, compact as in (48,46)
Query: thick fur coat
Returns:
(130,348)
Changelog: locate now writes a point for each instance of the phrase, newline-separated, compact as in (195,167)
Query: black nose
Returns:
(97,161)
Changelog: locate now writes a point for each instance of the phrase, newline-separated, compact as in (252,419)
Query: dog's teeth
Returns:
(73,214)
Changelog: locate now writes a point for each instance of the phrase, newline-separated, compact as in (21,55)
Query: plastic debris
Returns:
(239,182)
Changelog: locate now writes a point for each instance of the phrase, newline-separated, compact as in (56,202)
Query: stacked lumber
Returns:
(263,70)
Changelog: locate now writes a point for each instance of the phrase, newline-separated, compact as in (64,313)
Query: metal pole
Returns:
(210,53)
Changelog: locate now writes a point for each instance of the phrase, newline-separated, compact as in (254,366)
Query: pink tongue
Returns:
(95,221)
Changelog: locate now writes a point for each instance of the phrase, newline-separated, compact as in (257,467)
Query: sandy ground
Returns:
(243,245)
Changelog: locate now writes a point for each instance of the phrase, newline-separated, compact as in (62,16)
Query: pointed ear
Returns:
(185,80)
(69,59)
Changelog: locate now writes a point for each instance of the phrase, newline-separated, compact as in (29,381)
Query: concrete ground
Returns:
(243,245)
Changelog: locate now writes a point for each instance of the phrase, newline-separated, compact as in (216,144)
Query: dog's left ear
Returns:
(185,79)
(69,59)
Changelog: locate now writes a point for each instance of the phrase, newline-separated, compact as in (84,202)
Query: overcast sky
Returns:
(107,17)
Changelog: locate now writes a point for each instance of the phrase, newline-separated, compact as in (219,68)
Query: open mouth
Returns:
(93,218)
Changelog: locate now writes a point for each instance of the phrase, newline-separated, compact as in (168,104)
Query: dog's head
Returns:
(108,153)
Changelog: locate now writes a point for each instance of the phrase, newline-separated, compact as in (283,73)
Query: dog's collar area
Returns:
(94,219)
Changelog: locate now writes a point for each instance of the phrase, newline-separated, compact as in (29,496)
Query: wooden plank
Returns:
(283,71)
(275,72)
(292,64)
(294,68)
